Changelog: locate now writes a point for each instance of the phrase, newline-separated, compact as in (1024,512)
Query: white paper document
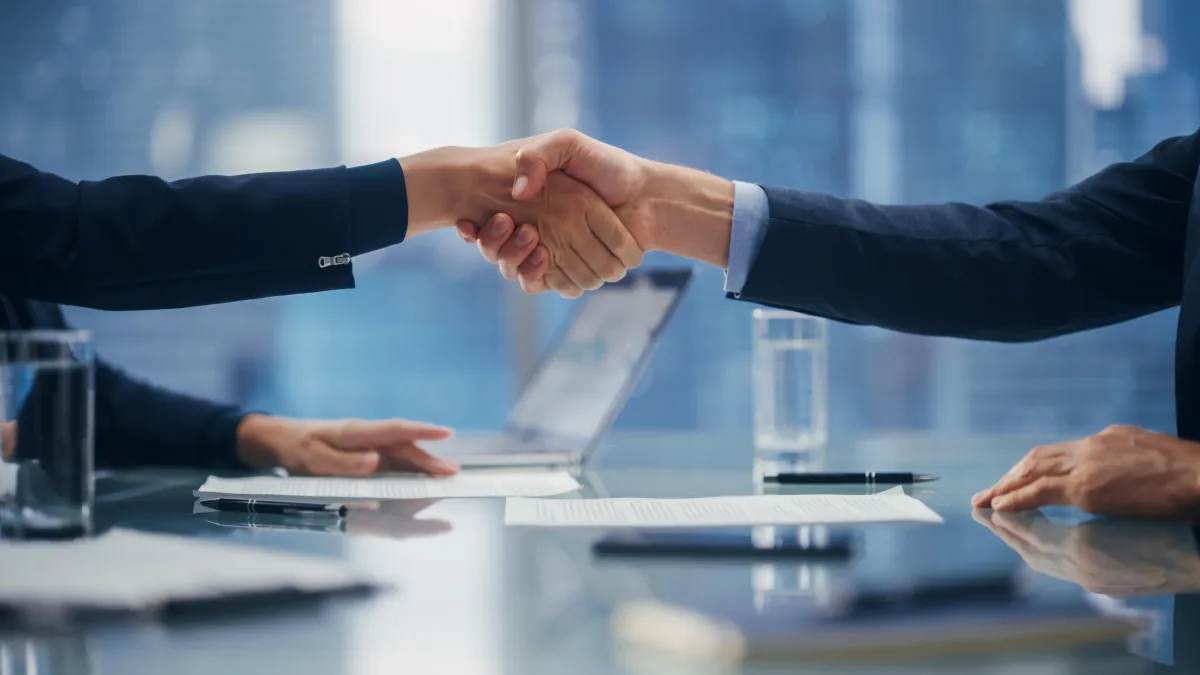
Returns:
(126,570)
(892,506)
(396,486)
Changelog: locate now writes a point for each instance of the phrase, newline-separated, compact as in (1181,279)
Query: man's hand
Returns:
(1110,557)
(583,244)
(1122,471)
(666,208)
(341,447)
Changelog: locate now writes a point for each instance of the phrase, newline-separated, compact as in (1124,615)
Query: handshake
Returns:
(567,213)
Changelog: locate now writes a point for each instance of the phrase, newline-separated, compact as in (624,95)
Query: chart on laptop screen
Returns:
(574,388)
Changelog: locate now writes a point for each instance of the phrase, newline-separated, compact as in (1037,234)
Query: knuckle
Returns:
(1028,469)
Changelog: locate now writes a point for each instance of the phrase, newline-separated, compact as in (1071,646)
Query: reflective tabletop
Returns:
(469,595)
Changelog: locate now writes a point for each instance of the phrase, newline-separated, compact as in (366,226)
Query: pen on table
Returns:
(869,478)
(274,507)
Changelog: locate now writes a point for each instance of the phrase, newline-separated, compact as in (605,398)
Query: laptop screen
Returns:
(584,379)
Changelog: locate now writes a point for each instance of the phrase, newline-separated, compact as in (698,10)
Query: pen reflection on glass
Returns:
(268,521)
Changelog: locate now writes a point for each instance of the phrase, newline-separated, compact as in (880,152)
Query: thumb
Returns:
(613,173)
(535,161)
(566,150)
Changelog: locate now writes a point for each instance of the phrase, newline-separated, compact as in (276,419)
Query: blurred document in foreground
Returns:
(891,506)
(126,571)
(395,486)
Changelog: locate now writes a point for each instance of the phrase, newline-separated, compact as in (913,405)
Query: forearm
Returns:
(139,424)
(689,213)
(139,242)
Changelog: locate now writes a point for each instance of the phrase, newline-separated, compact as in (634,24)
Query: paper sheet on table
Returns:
(126,570)
(891,506)
(473,484)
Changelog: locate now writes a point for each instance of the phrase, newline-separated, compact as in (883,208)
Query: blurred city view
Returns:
(900,101)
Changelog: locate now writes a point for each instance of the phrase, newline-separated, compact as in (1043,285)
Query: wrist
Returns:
(438,182)
(255,440)
(689,213)
(449,184)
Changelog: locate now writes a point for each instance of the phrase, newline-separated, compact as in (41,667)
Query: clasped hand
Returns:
(576,219)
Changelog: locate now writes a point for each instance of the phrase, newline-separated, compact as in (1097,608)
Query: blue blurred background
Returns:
(890,100)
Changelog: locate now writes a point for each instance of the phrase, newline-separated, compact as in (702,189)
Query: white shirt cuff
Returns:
(750,215)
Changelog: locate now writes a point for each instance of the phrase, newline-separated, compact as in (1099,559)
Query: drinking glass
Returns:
(46,429)
(790,382)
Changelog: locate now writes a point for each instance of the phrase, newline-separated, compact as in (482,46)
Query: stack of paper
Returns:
(125,570)
(891,506)
(396,486)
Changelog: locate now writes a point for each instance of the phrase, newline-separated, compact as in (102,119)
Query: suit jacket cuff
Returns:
(220,440)
(378,206)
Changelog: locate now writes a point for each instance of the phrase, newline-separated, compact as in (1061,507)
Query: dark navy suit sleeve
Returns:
(139,424)
(138,242)
(1105,250)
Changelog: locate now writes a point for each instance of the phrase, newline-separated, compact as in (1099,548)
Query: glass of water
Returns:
(791,382)
(46,414)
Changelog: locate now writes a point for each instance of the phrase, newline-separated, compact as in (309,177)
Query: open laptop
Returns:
(584,379)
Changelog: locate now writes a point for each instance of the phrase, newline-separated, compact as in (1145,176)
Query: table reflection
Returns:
(1145,572)
(397,520)
(1110,557)
(51,654)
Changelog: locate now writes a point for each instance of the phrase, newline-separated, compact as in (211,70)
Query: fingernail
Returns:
(999,503)
(520,184)
(499,228)
(368,459)
(524,235)
(978,497)
(446,465)
(537,257)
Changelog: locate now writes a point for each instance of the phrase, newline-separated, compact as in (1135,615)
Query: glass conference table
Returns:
(472,596)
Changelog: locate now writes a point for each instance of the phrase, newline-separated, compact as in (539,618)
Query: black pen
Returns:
(869,478)
(276,508)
